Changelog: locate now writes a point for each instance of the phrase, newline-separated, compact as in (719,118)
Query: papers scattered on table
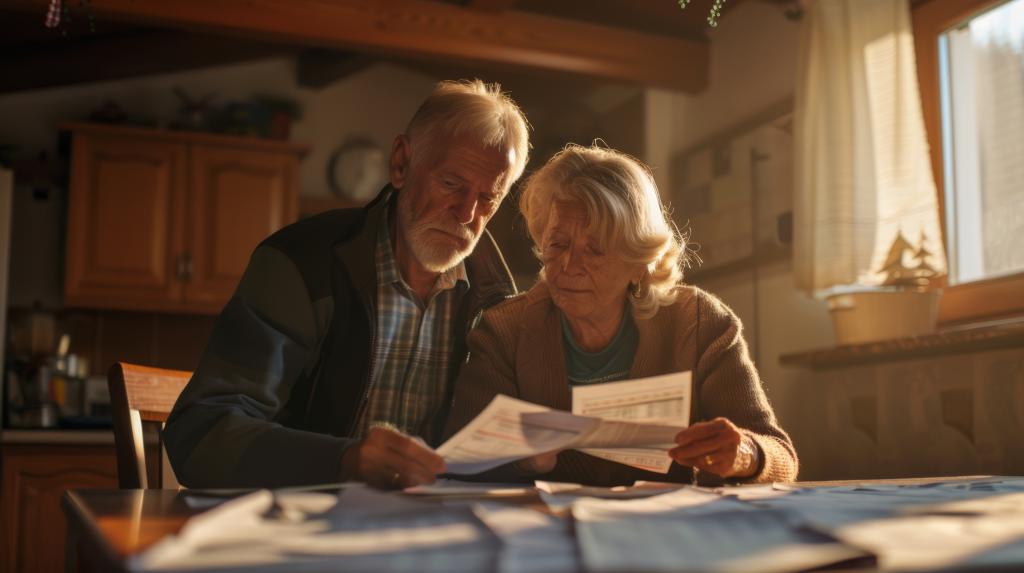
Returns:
(509,429)
(531,541)
(637,490)
(758,491)
(559,496)
(773,527)
(457,488)
(930,542)
(777,528)
(362,530)
(661,400)
(939,525)
(694,538)
(831,507)
(672,505)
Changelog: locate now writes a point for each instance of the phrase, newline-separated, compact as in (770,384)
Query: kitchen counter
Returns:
(67,437)
(55,436)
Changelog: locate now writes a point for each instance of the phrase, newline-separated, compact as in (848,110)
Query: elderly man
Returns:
(334,360)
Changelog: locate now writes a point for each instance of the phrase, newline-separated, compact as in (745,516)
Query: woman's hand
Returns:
(539,464)
(716,446)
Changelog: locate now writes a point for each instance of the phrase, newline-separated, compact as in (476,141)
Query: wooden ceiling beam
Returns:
(491,5)
(431,30)
(124,56)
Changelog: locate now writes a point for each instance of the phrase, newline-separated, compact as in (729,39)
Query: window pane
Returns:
(983,122)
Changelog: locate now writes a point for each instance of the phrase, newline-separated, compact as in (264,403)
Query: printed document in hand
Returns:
(509,429)
(656,400)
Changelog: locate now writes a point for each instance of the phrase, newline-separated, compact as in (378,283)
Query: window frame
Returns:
(988,299)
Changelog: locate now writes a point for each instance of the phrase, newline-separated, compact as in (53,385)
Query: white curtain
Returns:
(862,166)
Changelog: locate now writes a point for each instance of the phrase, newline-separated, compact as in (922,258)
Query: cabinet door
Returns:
(124,219)
(34,479)
(237,198)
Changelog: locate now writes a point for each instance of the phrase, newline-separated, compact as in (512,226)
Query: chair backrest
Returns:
(138,394)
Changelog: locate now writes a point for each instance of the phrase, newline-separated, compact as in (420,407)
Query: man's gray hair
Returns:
(474,109)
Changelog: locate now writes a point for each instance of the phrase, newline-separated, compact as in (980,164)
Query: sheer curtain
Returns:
(862,166)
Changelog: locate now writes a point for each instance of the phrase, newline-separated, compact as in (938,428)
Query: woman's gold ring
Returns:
(708,460)
(396,478)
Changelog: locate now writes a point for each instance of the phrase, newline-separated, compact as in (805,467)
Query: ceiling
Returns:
(663,17)
(626,41)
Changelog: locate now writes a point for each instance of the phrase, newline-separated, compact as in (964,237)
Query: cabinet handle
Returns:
(184,267)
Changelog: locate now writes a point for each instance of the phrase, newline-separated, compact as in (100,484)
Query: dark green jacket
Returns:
(285,374)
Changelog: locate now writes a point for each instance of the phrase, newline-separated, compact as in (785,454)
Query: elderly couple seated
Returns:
(360,339)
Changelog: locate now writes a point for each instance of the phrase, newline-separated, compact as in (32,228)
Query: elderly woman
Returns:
(610,305)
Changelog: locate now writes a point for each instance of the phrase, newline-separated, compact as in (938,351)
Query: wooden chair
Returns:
(141,394)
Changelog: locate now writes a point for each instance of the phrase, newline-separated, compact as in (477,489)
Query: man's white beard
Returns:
(434,254)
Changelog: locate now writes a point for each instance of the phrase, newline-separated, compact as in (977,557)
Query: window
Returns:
(970,58)
(981,71)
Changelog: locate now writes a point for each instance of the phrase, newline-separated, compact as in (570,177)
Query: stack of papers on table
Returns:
(559,496)
(531,541)
(362,530)
(704,538)
(633,422)
(473,490)
(943,525)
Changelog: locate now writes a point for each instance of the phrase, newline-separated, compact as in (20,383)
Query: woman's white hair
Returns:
(474,109)
(624,214)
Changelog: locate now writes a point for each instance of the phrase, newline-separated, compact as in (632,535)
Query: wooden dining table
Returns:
(105,528)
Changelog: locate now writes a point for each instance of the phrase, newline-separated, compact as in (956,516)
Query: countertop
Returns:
(58,437)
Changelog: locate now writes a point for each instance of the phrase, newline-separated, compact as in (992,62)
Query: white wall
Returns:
(374,103)
(753,68)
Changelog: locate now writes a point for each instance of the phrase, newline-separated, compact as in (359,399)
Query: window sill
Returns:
(989,299)
(959,340)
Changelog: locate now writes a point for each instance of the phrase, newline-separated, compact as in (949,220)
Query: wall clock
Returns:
(357,170)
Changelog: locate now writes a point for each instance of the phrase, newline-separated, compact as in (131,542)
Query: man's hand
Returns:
(716,446)
(388,459)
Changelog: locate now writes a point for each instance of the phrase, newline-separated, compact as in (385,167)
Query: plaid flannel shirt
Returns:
(413,347)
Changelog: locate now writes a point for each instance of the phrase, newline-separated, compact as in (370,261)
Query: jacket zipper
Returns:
(369,371)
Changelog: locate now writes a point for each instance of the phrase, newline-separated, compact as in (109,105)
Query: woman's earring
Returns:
(635,289)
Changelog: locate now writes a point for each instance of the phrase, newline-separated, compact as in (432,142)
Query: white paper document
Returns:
(941,542)
(559,496)
(531,541)
(726,541)
(655,400)
(686,501)
(455,488)
(509,429)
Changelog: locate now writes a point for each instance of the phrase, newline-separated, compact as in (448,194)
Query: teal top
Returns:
(607,365)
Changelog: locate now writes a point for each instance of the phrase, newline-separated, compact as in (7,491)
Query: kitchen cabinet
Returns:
(165,221)
(34,479)
(36,468)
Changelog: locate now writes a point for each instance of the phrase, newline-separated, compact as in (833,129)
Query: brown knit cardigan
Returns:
(517,350)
